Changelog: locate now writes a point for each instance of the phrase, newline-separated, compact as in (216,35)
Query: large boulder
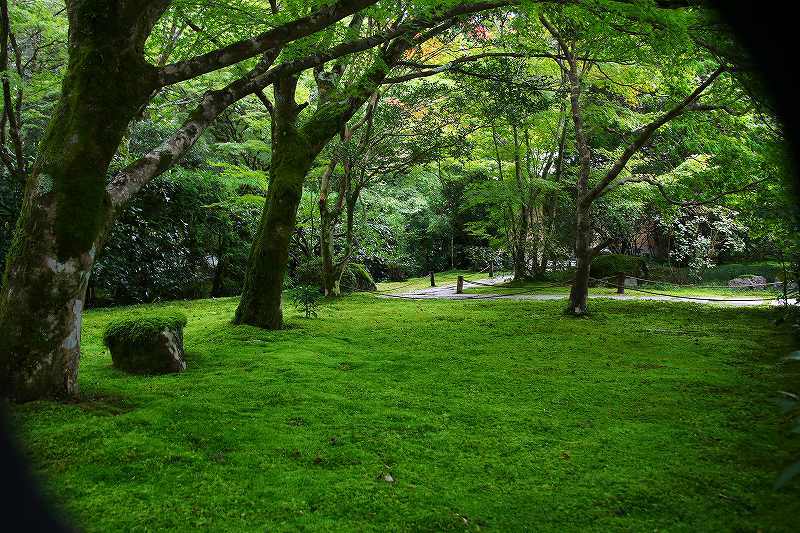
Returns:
(748,282)
(361,278)
(147,343)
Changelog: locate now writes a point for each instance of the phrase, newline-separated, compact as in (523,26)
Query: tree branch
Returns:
(275,38)
(644,134)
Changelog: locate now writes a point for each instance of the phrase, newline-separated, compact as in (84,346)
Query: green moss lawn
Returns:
(388,415)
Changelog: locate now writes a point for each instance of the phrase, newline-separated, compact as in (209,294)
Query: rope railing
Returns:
(690,286)
(394,289)
(427,295)
(418,296)
(700,298)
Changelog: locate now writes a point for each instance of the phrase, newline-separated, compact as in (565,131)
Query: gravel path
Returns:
(448,292)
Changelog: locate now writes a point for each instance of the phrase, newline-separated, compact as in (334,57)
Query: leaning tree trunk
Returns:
(65,209)
(294,151)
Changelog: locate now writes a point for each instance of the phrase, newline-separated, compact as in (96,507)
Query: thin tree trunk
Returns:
(329,277)
(578,297)
(521,237)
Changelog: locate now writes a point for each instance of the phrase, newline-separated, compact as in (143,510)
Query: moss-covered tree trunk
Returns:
(292,157)
(65,207)
(521,237)
(294,150)
(579,293)
(344,262)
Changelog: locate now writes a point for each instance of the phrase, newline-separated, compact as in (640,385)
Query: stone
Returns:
(147,344)
(748,282)
(163,355)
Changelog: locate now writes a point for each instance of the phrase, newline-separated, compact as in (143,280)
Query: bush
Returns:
(560,276)
(385,269)
(306,298)
(608,265)
(139,328)
(679,275)
(187,234)
(723,273)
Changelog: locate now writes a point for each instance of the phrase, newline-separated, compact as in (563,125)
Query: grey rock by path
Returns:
(748,282)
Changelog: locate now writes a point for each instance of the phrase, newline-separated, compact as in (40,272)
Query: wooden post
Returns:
(620,282)
(460,285)
(433,281)
(491,267)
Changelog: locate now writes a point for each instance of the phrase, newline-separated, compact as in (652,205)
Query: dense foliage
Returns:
(465,161)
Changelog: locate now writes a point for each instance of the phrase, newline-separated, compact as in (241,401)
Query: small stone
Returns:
(388,478)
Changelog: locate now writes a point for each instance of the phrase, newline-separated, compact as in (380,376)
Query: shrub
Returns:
(671,274)
(608,265)
(724,273)
(306,298)
(137,328)
(560,276)
(355,277)
(385,269)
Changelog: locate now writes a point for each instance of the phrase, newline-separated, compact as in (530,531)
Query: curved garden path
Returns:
(448,292)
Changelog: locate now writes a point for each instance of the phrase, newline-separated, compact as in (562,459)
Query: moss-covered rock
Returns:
(362,279)
(356,277)
(147,343)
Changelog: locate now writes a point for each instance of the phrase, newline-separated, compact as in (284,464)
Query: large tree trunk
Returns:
(65,208)
(292,157)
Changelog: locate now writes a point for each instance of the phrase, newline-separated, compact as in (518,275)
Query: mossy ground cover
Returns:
(490,415)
